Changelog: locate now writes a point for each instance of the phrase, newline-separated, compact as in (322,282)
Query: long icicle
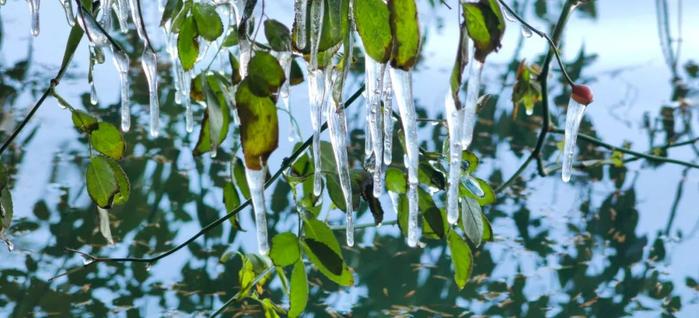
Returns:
(285,59)
(68,8)
(122,12)
(316,89)
(387,100)
(475,68)
(581,97)
(256,183)
(300,18)
(403,88)
(149,62)
(34,11)
(454,123)
(121,62)
(106,8)
(374,81)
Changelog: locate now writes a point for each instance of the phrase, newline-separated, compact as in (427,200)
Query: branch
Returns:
(286,163)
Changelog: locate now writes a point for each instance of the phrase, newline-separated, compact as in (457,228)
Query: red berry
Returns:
(582,94)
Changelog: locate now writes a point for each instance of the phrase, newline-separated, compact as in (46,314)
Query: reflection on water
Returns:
(619,240)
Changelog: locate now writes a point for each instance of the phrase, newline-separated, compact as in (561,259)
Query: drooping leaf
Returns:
(231,38)
(461,258)
(238,174)
(486,26)
(172,7)
(487,229)
(435,222)
(265,75)
(285,249)
(298,297)
(108,140)
(396,180)
(322,248)
(187,45)
(278,35)
(459,65)
(235,69)
(76,34)
(477,189)
(406,33)
(6,208)
(259,128)
(101,182)
(207,21)
(296,73)
(122,195)
(230,197)
(472,220)
(372,22)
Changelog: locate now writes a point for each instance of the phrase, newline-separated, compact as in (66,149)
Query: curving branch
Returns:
(286,163)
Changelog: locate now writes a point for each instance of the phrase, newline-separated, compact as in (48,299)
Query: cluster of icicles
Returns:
(382,82)
(96,32)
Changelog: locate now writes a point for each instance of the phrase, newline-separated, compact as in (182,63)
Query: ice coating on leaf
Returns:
(474,187)
(387,98)
(34,11)
(256,183)
(149,61)
(454,123)
(471,102)
(374,88)
(316,96)
(285,59)
(104,227)
(472,220)
(94,33)
(574,116)
(121,62)
(337,125)
(245,56)
(68,8)
(403,90)
(300,18)
(122,13)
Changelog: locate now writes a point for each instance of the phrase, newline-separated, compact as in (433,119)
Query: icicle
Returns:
(149,61)
(285,59)
(526,31)
(300,18)
(10,245)
(106,7)
(104,225)
(403,88)
(245,56)
(387,98)
(136,15)
(471,103)
(91,80)
(185,87)
(454,123)
(122,15)
(316,89)
(579,99)
(121,62)
(68,8)
(94,33)
(34,11)
(338,137)
(374,87)
(256,183)
(317,9)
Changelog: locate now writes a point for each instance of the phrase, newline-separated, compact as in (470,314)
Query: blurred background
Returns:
(616,241)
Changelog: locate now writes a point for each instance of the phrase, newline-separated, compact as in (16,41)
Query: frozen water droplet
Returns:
(526,31)
(87,260)
(34,11)
(9,244)
(149,266)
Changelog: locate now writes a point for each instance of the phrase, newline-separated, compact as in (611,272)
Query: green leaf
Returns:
(101,182)
(278,35)
(472,220)
(235,69)
(217,116)
(527,91)
(122,195)
(472,161)
(478,189)
(172,7)
(208,22)
(487,229)
(298,297)
(76,34)
(187,45)
(406,33)
(459,65)
(83,121)
(396,180)
(6,208)
(231,38)
(335,26)
(285,249)
(239,177)
(461,258)
(296,74)
(181,16)
(435,224)
(265,75)
(485,25)
(108,140)
(230,197)
(259,128)
(323,250)
(372,22)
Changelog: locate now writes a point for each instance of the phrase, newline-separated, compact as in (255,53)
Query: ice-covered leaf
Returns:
(406,33)
(187,44)
(372,22)
(322,248)
(478,189)
(486,26)
(285,249)
(208,22)
(461,258)
(459,65)
(259,128)
(104,227)
(101,182)
(108,140)
(335,26)
(172,7)
(235,69)
(278,35)
(298,297)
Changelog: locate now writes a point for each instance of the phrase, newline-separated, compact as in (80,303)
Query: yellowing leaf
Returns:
(259,128)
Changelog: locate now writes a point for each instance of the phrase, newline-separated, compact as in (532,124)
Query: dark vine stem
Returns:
(143,26)
(543,79)
(286,163)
